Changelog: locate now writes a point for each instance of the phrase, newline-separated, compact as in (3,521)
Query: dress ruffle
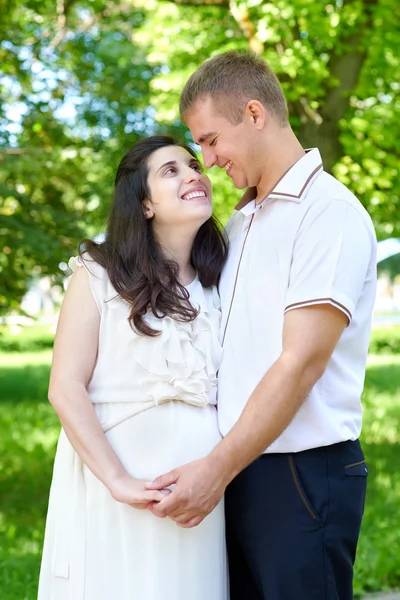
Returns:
(183,360)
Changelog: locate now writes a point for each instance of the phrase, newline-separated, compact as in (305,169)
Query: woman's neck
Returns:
(178,247)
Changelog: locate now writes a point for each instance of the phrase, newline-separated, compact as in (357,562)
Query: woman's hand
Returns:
(128,490)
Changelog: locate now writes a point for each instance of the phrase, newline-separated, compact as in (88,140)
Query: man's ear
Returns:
(147,209)
(256,111)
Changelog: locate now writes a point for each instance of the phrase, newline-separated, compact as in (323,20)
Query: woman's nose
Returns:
(192,175)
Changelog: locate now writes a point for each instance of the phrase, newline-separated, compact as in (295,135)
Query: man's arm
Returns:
(309,337)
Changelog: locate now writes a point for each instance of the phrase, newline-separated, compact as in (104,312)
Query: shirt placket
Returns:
(246,231)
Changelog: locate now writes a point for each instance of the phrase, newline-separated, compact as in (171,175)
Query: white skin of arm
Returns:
(74,356)
(309,338)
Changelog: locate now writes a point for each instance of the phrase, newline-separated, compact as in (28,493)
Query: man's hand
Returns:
(200,485)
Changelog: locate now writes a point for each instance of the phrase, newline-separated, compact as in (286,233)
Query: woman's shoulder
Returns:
(98,277)
(92,267)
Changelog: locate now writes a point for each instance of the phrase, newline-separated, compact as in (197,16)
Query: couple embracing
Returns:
(209,390)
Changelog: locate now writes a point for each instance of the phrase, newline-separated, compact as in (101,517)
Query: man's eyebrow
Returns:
(206,136)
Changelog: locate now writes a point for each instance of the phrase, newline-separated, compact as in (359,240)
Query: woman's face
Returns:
(180,193)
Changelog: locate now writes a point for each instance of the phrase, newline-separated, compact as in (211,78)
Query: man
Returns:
(297,296)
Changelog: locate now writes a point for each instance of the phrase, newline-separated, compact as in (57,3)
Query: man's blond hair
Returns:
(231,80)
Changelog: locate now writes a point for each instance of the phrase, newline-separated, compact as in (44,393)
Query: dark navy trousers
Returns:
(292,524)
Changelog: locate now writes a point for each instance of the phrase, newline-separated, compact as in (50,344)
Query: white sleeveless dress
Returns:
(155,398)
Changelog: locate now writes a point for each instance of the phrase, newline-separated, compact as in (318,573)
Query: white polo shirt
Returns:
(309,242)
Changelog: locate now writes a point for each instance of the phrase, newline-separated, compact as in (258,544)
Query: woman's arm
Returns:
(75,351)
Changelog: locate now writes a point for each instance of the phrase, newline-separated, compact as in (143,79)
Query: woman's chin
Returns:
(200,210)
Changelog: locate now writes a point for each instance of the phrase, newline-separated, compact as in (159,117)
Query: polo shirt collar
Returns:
(293,185)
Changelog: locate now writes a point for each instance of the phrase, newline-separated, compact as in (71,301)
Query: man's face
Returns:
(230,147)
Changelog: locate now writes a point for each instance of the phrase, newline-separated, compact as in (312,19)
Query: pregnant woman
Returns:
(133,382)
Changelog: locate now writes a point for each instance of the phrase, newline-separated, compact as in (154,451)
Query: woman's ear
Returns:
(147,209)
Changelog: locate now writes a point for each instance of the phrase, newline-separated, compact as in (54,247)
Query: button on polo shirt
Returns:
(310,242)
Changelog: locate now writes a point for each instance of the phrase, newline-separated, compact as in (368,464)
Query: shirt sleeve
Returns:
(331,257)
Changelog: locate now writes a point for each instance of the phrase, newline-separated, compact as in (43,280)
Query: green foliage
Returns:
(390,266)
(385,340)
(89,78)
(57,171)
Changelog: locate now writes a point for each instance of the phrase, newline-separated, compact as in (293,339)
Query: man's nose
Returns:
(209,157)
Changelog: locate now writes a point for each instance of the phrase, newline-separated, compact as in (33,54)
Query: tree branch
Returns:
(239,13)
(119,9)
(223,3)
(18,151)
(242,18)
(63,8)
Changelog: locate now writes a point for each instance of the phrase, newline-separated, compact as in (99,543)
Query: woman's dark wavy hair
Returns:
(137,269)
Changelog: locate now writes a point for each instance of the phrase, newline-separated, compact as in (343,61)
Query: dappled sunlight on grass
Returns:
(26,359)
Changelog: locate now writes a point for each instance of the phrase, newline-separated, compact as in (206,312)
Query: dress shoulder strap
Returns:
(98,277)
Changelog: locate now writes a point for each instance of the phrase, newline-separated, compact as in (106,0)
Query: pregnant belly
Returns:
(164,437)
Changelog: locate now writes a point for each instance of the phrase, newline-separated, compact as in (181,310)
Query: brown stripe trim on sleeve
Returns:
(320,301)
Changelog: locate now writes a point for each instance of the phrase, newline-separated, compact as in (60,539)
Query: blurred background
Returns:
(81,81)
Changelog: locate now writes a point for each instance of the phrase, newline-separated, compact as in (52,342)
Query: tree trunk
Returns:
(345,68)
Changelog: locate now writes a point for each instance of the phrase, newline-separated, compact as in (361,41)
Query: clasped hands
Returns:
(199,486)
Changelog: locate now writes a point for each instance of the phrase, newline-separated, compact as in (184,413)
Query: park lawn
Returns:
(378,558)
(28,434)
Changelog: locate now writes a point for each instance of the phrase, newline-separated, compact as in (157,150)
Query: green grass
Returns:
(378,560)
(28,433)
(29,430)
(27,339)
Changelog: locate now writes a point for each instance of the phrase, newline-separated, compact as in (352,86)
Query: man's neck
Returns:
(286,152)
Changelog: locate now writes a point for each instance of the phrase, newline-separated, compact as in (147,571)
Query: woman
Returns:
(133,381)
